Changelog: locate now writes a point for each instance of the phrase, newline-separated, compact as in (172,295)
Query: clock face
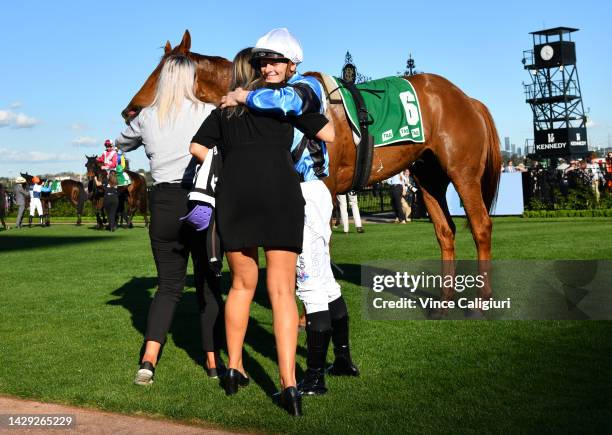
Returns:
(546,53)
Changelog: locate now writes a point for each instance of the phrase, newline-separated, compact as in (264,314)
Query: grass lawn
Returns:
(73,306)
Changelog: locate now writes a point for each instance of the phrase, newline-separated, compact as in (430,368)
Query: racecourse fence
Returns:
(378,199)
(543,189)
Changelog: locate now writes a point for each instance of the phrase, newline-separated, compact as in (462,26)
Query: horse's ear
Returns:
(185,45)
(167,48)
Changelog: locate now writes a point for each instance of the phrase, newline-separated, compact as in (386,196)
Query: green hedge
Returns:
(579,198)
(568,213)
(61,207)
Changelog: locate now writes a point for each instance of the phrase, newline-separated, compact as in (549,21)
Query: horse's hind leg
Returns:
(47,214)
(75,198)
(478,216)
(433,183)
(481,227)
(146,218)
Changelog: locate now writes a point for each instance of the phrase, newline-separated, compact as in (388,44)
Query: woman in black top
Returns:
(111,201)
(259,204)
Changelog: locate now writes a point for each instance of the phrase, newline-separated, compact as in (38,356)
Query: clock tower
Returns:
(559,122)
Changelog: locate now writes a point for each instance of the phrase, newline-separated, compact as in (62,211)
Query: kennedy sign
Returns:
(560,142)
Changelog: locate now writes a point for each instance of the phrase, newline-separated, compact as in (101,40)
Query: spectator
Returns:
(562,165)
(510,167)
(608,175)
(179,113)
(397,188)
(21,197)
(408,194)
(570,174)
(596,177)
(111,200)
(352,199)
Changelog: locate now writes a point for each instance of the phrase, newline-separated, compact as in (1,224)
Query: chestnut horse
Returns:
(462,146)
(137,192)
(71,189)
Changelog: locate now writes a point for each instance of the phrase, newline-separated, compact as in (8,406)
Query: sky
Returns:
(68,68)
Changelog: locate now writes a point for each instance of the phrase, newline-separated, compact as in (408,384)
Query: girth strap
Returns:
(365,148)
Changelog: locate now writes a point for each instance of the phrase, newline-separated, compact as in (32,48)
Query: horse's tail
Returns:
(81,198)
(490,177)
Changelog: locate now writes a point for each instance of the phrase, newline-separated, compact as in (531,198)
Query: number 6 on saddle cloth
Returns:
(202,196)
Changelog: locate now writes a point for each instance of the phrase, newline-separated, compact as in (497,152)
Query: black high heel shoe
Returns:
(233,380)
(218,371)
(290,400)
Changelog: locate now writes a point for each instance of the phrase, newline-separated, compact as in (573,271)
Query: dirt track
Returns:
(92,422)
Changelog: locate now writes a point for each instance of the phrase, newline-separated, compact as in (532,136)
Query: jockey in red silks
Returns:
(108,157)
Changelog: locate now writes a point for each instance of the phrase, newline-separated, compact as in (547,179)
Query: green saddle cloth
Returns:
(123,179)
(52,186)
(393,109)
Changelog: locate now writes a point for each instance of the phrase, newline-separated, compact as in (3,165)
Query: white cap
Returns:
(280,41)
(20,179)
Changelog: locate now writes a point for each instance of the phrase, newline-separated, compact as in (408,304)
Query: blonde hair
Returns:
(175,84)
(243,76)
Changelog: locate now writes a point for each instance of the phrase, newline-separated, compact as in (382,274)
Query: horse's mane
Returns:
(198,56)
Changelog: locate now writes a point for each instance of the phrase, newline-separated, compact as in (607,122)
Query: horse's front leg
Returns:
(47,215)
(99,219)
(130,217)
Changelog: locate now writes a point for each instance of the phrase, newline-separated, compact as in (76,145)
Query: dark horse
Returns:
(462,147)
(71,189)
(136,192)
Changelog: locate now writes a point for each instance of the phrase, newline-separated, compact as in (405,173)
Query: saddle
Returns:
(380,112)
(364,142)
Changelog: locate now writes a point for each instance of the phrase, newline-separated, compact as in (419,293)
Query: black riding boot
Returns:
(343,364)
(30,221)
(318,336)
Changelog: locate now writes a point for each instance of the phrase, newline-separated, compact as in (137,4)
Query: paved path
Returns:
(92,422)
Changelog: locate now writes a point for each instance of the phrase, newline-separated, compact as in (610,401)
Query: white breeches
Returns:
(352,199)
(35,205)
(316,284)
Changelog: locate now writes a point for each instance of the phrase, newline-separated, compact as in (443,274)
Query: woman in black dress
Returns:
(259,204)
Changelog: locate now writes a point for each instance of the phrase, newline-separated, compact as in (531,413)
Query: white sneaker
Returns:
(144,376)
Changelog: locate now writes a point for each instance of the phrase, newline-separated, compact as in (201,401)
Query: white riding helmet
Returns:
(20,180)
(279,44)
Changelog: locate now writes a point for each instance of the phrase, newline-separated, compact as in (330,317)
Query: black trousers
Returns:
(172,242)
(396,192)
(111,202)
